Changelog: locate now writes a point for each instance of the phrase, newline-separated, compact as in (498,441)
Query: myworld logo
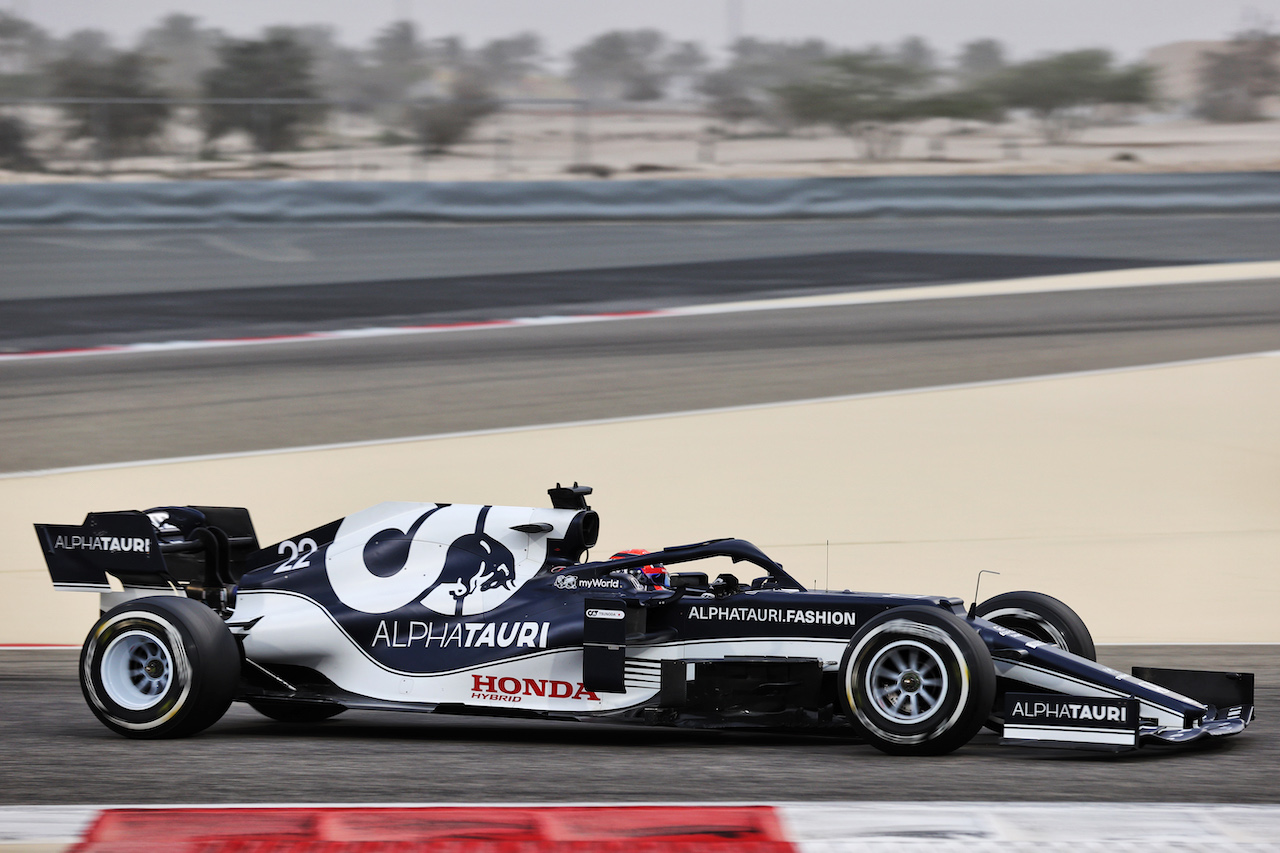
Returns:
(575,582)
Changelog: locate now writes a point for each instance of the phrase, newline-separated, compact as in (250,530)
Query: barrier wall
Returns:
(217,202)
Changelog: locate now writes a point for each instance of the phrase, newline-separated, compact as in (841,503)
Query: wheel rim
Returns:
(907,682)
(136,670)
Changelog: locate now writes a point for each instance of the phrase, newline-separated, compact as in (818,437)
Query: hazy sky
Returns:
(1027,26)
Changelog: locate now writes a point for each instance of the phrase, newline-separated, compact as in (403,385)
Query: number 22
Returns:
(299,554)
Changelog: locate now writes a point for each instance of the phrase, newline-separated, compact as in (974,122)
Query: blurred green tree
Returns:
(1058,89)
(88,45)
(278,66)
(729,98)
(504,63)
(398,61)
(180,51)
(15,154)
(684,64)
(915,52)
(627,64)
(979,61)
(443,123)
(1233,82)
(746,88)
(120,128)
(336,71)
(24,50)
(868,95)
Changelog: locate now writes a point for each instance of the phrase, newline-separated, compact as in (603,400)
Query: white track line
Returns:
(1030,827)
(866,395)
(1104,280)
(1111,279)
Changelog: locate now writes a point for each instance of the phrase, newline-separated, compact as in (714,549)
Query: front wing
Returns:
(1055,698)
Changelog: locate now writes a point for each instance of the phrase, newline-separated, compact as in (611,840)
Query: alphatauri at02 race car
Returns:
(489,610)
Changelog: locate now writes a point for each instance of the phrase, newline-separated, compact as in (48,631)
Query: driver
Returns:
(655,575)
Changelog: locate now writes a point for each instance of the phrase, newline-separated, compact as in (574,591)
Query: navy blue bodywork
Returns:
(778,607)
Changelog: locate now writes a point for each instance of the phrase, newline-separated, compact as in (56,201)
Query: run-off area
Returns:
(1146,499)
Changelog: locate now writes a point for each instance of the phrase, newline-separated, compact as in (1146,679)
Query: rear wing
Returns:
(199,550)
(121,543)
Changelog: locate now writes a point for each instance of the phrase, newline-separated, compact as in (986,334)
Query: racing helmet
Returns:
(655,574)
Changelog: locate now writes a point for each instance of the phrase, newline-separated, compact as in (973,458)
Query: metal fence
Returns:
(112,139)
(80,139)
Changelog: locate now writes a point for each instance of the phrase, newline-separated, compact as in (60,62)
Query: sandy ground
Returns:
(1148,499)
(657,145)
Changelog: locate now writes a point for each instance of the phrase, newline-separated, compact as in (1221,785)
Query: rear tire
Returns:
(295,712)
(917,680)
(160,667)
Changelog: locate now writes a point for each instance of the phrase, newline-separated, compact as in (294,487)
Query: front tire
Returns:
(159,667)
(917,680)
(1041,617)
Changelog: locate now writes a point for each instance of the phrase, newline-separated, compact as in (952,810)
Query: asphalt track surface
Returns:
(85,411)
(56,752)
(53,262)
(84,321)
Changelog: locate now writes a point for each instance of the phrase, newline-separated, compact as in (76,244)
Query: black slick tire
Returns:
(917,680)
(159,667)
(1041,617)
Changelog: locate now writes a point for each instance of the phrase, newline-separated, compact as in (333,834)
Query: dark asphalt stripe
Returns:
(65,323)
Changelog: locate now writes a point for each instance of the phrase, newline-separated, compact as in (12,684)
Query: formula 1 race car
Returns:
(488,610)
